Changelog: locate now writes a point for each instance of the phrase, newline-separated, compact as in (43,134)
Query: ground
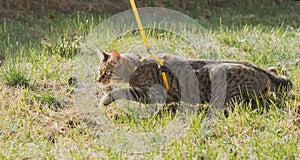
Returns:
(43,72)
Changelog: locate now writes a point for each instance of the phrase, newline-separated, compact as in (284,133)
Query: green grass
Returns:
(52,119)
(14,76)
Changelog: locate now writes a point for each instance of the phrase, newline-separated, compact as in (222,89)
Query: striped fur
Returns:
(191,81)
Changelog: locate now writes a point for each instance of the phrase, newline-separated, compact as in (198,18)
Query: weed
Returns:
(49,100)
(15,76)
(64,47)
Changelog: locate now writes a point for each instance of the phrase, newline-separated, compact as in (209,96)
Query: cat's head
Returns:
(107,66)
(115,68)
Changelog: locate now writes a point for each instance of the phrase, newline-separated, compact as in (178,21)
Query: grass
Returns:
(14,76)
(52,118)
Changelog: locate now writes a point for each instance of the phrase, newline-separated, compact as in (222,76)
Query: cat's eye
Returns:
(107,72)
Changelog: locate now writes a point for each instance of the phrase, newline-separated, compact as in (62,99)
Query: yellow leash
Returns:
(138,20)
(160,61)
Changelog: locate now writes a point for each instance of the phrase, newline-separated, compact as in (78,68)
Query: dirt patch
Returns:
(19,8)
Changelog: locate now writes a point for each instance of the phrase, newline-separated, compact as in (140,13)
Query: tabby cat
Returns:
(191,81)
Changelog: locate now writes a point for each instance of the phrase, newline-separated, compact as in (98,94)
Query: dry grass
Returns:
(44,120)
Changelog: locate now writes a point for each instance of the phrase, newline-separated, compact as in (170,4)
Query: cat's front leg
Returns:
(105,100)
(132,94)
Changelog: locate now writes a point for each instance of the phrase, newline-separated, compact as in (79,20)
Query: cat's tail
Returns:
(279,83)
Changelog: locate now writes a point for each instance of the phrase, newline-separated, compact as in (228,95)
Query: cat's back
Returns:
(248,76)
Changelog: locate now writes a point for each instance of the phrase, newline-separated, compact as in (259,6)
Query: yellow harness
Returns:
(160,67)
(160,61)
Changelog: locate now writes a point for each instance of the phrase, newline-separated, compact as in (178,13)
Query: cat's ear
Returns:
(115,56)
(104,55)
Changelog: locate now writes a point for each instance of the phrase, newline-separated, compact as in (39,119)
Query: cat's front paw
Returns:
(105,100)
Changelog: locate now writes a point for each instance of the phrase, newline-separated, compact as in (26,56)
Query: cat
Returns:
(191,81)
